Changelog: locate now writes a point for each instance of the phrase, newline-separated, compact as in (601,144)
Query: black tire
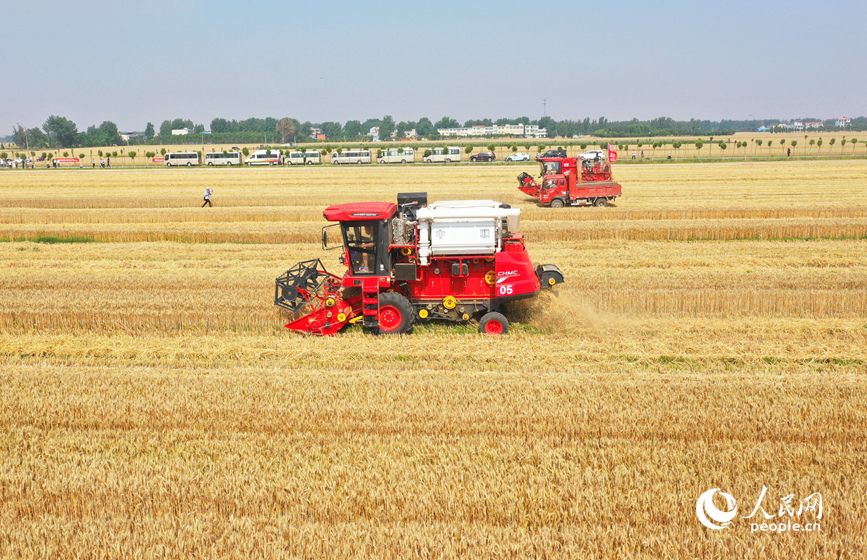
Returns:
(473,159)
(211,163)
(229,164)
(448,160)
(494,323)
(358,162)
(600,202)
(403,161)
(189,164)
(428,160)
(395,314)
(557,203)
(309,163)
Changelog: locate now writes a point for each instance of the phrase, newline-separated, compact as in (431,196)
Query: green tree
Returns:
(854,145)
(352,130)
(819,144)
(794,143)
(131,155)
(386,128)
(61,131)
(286,128)
(149,130)
(812,143)
(698,146)
(468,149)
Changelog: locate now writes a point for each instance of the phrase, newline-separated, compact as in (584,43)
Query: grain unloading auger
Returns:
(413,262)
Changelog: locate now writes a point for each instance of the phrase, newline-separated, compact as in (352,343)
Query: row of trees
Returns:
(60,132)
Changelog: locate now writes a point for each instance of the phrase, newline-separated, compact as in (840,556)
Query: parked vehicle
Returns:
(483,156)
(518,156)
(552,154)
(302,158)
(396,155)
(223,158)
(268,156)
(182,158)
(593,154)
(351,156)
(444,155)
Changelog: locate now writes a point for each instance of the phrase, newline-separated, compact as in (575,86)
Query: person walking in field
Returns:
(208,192)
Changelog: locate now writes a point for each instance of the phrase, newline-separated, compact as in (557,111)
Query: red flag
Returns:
(612,155)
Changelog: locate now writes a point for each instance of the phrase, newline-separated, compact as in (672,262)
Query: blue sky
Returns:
(134,62)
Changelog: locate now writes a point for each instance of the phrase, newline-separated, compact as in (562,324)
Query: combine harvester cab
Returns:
(410,262)
(566,181)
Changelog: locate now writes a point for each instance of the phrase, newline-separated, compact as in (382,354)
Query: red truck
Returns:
(572,181)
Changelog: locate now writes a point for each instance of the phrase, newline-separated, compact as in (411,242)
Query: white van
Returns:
(181,158)
(397,155)
(264,157)
(223,158)
(444,155)
(351,156)
(302,158)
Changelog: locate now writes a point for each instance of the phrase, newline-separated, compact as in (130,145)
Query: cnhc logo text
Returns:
(705,508)
(715,518)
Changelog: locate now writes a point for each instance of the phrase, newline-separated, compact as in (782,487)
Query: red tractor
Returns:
(413,262)
(571,181)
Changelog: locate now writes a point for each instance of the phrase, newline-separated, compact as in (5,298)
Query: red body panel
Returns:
(354,211)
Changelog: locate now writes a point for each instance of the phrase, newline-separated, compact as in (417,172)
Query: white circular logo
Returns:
(705,508)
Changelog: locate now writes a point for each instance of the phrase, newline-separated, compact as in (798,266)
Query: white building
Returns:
(529,131)
(842,121)
(181,131)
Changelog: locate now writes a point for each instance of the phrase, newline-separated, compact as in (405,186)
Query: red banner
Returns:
(158,160)
(612,154)
(66,160)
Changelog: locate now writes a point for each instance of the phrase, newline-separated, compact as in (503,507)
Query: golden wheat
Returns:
(153,406)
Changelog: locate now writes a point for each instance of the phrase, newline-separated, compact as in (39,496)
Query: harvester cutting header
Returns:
(571,181)
(410,262)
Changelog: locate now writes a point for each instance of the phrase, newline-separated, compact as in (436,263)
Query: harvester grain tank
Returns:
(571,181)
(413,262)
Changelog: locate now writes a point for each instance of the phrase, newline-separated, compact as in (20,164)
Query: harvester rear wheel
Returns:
(395,314)
(493,323)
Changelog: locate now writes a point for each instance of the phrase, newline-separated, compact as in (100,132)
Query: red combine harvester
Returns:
(410,262)
(571,181)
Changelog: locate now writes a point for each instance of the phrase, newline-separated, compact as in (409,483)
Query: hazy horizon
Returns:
(98,61)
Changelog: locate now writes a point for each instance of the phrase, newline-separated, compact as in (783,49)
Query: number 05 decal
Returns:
(506,290)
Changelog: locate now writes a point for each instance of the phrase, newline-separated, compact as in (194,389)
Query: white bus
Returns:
(223,158)
(397,155)
(302,158)
(181,158)
(351,156)
(444,155)
(264,157)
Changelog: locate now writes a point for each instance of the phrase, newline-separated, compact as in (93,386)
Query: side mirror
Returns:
(324,240)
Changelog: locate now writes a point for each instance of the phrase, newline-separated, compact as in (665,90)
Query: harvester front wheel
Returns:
(395,314)
(493,323)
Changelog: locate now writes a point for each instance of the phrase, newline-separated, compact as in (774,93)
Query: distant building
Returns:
(181,131)
(477,130)
(763,129)
(843,121)
(315,132)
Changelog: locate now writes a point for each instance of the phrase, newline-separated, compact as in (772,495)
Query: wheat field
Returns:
(711,333)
